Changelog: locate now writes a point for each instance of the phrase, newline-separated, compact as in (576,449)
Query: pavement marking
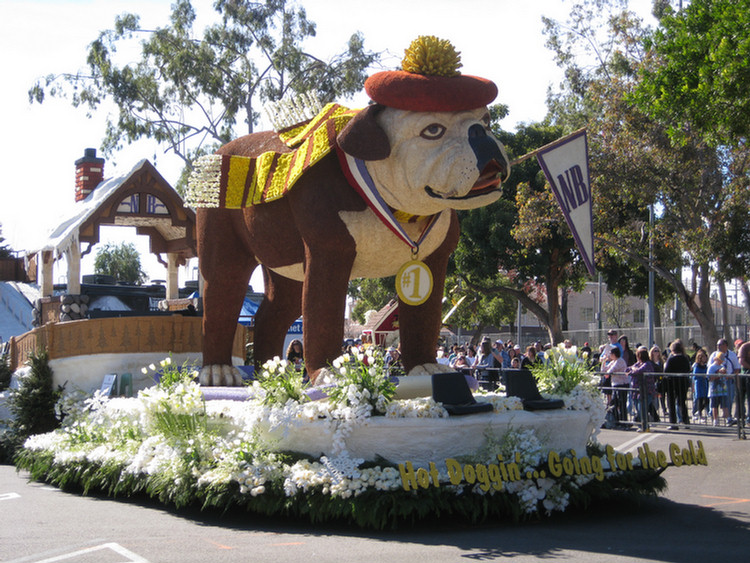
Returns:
(286,544)
(731,500)
(217,544)
(8,496)
(117,548)
(631,446)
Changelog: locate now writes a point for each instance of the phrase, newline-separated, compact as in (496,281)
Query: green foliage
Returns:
(282,382)
(562,371)
(121,261)
(730,241)
(32,406)
(5,250)
(362,381)
(696,189)
(482,305)
(371,295)
(5,372)
(377,510)
(697,80)
(189,92)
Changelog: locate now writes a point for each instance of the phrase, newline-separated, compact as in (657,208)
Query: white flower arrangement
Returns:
(562,371)
(172,433)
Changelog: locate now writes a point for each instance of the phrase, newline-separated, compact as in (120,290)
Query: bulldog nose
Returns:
(486,148)
(476,131)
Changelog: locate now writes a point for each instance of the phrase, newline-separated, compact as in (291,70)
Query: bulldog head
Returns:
(425,162)
(426,141)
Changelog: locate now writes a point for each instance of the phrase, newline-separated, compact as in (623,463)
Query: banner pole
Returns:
(559,141)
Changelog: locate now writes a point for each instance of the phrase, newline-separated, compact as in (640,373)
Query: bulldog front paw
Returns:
(322,377)
(220,375)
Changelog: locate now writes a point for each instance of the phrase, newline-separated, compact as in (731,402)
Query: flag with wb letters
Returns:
(566,166)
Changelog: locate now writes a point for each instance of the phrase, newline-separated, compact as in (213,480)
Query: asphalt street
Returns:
(703,517)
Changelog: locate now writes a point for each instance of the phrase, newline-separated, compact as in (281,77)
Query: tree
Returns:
(699,82)
(479,308)
(520,246)
(635,164)
(371,294)
(31,405)
(5,250)
(189,93)
(121,262)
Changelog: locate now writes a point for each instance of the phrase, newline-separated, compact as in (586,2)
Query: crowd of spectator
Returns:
(671,377)
(663,382)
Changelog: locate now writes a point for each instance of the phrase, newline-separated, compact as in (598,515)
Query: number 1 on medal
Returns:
(414,282)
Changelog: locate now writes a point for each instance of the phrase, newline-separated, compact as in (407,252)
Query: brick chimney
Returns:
(89,173)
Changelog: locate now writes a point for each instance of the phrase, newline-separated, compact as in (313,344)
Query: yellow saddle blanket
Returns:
(233,182)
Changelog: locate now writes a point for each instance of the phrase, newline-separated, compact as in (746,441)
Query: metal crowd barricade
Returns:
(490,378)
(741,386)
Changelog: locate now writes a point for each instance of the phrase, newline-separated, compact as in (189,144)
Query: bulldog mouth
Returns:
(489,181)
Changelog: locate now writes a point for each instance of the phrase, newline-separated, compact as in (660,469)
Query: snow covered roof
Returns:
(116,201)
(66,232)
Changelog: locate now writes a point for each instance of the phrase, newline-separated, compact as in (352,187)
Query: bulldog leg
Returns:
(323,307)
(280,308)
(226,265)
(419,326)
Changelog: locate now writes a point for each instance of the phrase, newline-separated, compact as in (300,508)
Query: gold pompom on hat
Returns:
(430,81)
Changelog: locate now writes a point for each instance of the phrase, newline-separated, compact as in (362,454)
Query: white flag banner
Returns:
(566,166)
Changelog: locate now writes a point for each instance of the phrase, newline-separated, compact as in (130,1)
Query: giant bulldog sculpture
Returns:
(421,150)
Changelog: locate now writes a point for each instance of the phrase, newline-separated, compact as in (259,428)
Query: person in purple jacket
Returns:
(640,373)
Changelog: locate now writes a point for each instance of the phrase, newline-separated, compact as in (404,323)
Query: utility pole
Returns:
(651,275)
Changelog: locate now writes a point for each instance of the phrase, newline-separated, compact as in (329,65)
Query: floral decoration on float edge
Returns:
(172,445)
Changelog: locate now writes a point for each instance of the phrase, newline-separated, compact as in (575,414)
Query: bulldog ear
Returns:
(363,138)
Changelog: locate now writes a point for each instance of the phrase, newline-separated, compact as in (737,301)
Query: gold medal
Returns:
(414,282)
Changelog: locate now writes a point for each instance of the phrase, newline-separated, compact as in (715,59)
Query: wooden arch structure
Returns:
(142,199)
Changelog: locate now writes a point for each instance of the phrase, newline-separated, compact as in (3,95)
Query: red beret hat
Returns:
(430,81)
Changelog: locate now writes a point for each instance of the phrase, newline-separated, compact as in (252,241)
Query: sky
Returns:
(498,39)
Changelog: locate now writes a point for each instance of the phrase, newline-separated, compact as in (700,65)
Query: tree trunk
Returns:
(724,310)
(697,299)
(554,277)
(476,334)
(698,302)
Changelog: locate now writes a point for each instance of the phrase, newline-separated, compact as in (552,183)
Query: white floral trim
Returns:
(164,431)
(204,184)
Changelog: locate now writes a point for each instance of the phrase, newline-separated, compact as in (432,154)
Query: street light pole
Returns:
(599,311)
(650,275)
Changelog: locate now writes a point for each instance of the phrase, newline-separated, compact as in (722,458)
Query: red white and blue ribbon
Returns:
(359,178)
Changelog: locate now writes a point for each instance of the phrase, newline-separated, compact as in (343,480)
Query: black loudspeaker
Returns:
(452,390)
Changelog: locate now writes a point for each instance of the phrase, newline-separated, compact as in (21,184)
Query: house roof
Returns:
(141,198)
(384,319)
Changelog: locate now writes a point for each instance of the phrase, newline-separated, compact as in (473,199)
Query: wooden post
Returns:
(73,255)
(46,265)
(172,276)
(559,141)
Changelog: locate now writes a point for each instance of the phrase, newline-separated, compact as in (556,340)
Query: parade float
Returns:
(346,441)
(373,460)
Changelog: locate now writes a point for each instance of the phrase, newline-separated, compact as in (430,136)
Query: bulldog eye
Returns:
(433,132)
